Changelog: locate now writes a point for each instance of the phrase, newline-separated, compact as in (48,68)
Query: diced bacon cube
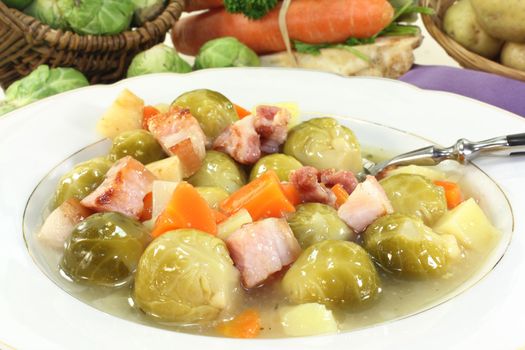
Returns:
(365,204)
(240,141)
(60,223)
(123,190)
(271,123)
(262,248)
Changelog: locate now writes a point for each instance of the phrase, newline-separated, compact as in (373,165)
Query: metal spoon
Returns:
(462,151)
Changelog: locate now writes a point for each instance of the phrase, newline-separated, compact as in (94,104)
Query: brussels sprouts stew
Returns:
(209,218)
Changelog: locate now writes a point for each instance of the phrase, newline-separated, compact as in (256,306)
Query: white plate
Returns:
(35,313)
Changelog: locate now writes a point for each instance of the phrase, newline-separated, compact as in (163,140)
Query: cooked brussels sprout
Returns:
(333,273)
(146,10)
(104,249)
(48,12)
(212,109)
(225,52)
(97,17)
(213,195)
(139,144)
(415,195)
(314,222)
(81,180)
(185,276)
(282,164)
(219,170)
(323,143)
(406,247)
(159,59)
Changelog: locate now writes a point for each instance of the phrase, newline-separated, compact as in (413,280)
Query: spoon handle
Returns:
(517,142)
(499,146)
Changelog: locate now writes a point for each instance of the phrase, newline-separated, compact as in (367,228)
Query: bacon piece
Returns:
(240,141)
(123,190)
(332,177)
(262,248)
(60,223)
(180,134)
(367,202)
(306,181)
(271,123)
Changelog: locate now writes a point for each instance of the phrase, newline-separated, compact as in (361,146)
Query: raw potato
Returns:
(513,55)
(307,319)
(461,24)
(469,225)
(168,169)
(502,19)
(124,114)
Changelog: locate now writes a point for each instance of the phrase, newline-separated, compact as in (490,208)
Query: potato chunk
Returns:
(168,169)
(307,319)
(124,114)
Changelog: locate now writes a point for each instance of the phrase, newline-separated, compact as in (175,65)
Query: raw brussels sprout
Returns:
(185,276)
(212,109)
(83,179)
(42,82)
(282,164)
(17,4)
(97,16)
(225,52)
(159,59)
(406,247)
(333,273)
(314,222)
(219,170)
(323,143)
(213,195)
(139,144)
(146,10)
(415,195)
(48,12)
(104,249)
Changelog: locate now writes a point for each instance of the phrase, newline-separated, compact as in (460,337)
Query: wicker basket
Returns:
(464,57)
(26,43)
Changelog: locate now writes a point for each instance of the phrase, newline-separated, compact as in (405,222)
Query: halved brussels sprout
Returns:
(140,144)
(415,195)
(333,273)
(213,195)
(81,180)
(104,249)
(323,143)
(185,276)
(219,170)
(406,247)
(212,109)
(315,222)
(282,164)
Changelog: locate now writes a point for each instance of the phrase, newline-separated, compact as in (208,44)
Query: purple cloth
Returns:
(496,90)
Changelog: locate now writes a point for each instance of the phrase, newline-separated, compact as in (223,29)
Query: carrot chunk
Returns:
(452,193)
(291,192)
(241,112)
(245,325)
(340,194)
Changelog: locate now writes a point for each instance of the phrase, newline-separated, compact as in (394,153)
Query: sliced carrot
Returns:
(245,325)
(219,217)
(306,21)
(263,198)
(148,207)
(241,112)
(452,193)
(147,113)
(291,192)
(340,194)
(186,209)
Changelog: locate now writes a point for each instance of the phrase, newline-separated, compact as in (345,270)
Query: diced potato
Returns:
(162,191)
(168,169)
(233,223)
(469,225)
(124,114)
(307,319)
(428,172)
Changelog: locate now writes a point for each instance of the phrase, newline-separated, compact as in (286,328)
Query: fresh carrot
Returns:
(291,193)
(186,209)
(262,198)
(309,21)
(219,217)
(340,194)
(196,5)
(148,207)
(241,112)
(148,112)
(246,325)
(452,193)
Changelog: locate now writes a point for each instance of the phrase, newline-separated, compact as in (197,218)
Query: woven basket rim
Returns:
(71,41)
(464,57)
